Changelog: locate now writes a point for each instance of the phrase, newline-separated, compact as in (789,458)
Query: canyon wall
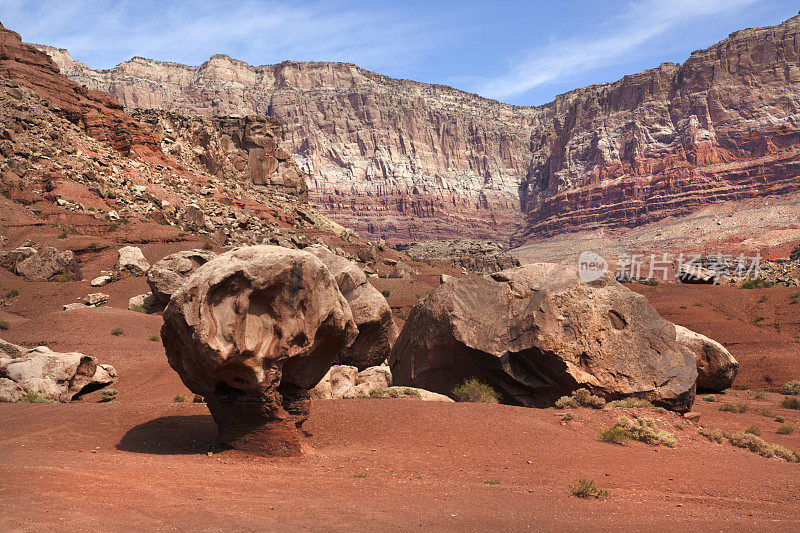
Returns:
(410,161)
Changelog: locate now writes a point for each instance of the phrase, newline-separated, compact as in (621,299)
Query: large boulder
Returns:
(132,259)
(56,376)
(251,331)
(377,331)
(537,332)
(49,264)
(716,367)
(170,272)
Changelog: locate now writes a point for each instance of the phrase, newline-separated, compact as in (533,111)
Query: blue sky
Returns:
(520,52)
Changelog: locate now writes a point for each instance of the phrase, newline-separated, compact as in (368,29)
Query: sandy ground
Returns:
(143,464)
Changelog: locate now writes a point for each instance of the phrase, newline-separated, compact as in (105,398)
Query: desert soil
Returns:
(147,463)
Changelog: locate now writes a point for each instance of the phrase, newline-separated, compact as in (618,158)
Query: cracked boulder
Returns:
(537,332)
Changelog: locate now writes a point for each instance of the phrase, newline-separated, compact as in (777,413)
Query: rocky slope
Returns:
(406,160)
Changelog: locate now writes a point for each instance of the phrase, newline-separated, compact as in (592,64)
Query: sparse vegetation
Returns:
(179,397)
(137,309)
(491,482)
(207,246)
(154,338)
(92,246)
(63,278)
(652,282)
(757,320)
(567,417)
(751,442)
(763,299)
(392,392)
(360,475)
(630,403)
(794,297)
(710,398)
(586,488)
(753,430)
(62,235)
(108,395)
(791,402)
(386,293)
(117,331)
(4,325)
(473,390)
(766,413)
(791,387)
(641,429)
(12,293)
(758,394)
(734,408)
(32,397)
(786,429)
(581,397)
(779,419)
(757,283)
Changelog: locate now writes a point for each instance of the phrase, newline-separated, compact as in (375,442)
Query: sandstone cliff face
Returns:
(250,149)
(410,161)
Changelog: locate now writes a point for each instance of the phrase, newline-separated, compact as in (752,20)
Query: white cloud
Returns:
(103,33)
(644,21)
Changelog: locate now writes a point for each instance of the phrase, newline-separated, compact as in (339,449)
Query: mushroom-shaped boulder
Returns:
(251,331)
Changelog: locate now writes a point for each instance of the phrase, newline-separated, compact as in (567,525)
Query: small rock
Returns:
(99,281)
(694,416)
(96,299)
(72,307)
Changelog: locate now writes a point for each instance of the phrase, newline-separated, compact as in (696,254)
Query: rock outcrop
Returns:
(410,161)
(716,367)
(251,148)
(131,259)
(49,264)
(51,376)
(377,331)
(251,331)
(99,114)
(484,257)
(167,274)
(537,332)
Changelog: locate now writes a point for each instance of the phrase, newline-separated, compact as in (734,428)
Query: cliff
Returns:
(409,161)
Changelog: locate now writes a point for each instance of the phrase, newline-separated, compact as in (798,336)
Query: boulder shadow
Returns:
(172,435)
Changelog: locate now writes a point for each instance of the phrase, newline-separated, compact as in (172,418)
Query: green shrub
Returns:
(615,435)
(779,419)
(107,395)
(759,394)
(652,282)
(62,235)
(93,246)
(207,246)
(758,283)
(630,402)
(645,430)
(179,397)
(155,338)
(757,320)
(386,293)
(473,390)
(567,402)
(580,397)
(4,325)
(491,482)
(117,331)
(379,392)
(32,397)
(751,442)
(753,430)
(137,309)
(586,488)
(791,387)
(790,402)
(766,413)
(786,429)
(360,475)
(63,278)
(12,293)
(734,408)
